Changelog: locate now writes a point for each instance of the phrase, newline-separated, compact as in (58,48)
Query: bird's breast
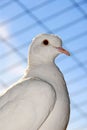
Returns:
(58,118)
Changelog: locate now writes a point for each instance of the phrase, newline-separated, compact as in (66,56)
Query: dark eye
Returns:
(45,42)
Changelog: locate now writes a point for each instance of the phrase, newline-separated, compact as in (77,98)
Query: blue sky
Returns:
(21,20)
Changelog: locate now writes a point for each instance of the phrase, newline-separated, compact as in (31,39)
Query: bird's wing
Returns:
(27,105)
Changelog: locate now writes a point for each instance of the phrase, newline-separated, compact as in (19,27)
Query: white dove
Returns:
(40,100)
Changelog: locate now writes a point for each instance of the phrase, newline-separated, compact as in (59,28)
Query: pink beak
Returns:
(61,50)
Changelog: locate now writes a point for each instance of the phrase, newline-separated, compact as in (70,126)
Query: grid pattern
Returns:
(22,20)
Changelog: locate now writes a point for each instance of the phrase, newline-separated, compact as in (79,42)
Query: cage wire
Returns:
(21,20)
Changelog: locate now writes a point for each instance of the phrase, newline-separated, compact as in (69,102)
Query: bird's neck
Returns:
(48,72)
(38,70)
(38,60)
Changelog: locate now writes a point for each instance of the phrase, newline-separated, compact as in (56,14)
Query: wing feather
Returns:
(26,105)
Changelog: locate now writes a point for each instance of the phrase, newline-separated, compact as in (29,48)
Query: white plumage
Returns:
(39,101)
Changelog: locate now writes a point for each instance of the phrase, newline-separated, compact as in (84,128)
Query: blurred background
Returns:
(20,21)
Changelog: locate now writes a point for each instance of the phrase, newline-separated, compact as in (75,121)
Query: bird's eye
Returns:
(45,42)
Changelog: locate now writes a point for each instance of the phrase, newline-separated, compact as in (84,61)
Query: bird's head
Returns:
(45,47)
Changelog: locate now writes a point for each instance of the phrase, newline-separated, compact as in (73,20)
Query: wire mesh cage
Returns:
(21,20)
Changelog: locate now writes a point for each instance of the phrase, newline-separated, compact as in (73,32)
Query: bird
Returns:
(40,99)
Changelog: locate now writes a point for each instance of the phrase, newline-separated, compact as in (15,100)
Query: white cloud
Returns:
(4,33)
